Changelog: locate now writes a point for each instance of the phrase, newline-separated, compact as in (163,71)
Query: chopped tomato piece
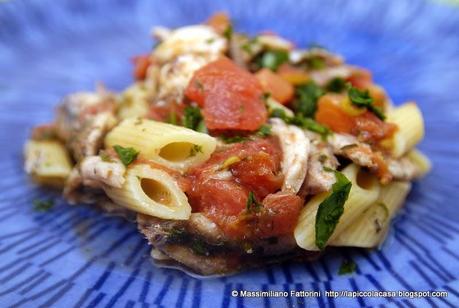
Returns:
(230,96)
(293,75)
(370,128)
(220,21)
(141,64)
(364,124)
(379,96)
(224,198)
(330,114)
(360,78)
(283,211)
(281,90)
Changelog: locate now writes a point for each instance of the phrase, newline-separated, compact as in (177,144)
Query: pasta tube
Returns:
(371,227)
(152,192)
(410,131)
(169,145)
(134,101)
(364,192)
(47,162)
(421,161)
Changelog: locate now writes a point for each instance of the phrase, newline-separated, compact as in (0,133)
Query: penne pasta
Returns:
(134,102)
(152,192)
(173,146)
(421,161)
(364,192)
(47,162)
(410,131)
(370,229)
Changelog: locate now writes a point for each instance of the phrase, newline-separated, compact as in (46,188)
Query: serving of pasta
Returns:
(233,151)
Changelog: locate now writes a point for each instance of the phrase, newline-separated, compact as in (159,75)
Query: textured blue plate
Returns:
(76,256)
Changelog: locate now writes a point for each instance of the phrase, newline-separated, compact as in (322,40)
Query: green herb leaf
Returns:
(272,59)
(310,124)
(337,85)
(127,155)
(233,139)
(43,205)
(252,204)
(247,46)
(331,209)
(264,130)
(193,119)
(301,121)
(279,113)
(306,97)
(315,62)
(195,149)
(362,98)
(347,267)
(228,33)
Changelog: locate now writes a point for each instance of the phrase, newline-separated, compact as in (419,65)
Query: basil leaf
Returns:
(315,62)
(279,113)
(233,139)
(306,97)
(331,209)
(264,130)
(228,33)
(272,59)
(299,120)
(337,85)
(43,205)
(347,267)
(126,155)
(362,98)
(193,119)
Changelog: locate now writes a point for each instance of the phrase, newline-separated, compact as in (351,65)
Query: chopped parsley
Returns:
(228,33)
(43,205)
(193,119)
(362,99)
(312,125)
(306,97)
(301,121)
(331,209)
(264,130)
(234,139)
(195,149)
(127,155)
(347,267)
(337,85)
(252,204)
(248,46)
(272,59)
(315,62)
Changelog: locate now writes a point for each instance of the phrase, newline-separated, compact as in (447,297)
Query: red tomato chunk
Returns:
(230,96)
(255,168)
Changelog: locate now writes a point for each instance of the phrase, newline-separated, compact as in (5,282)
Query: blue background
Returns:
(74,256)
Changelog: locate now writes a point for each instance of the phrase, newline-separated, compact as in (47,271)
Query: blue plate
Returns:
(75,256)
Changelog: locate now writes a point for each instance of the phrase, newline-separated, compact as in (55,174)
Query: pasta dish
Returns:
(230,151)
